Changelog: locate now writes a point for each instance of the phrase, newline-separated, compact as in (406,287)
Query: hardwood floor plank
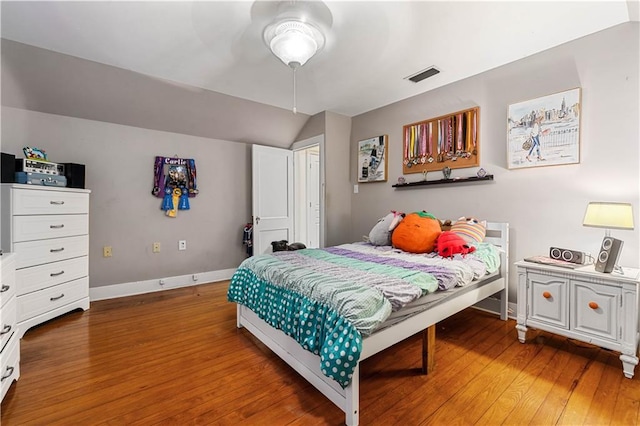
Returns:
(176,357)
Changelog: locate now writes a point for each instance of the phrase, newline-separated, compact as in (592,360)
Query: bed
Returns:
(327,348)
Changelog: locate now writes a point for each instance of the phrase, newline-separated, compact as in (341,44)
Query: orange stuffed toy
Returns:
(417,233)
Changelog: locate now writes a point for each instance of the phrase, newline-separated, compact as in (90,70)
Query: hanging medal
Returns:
(430,142)
(473,133)
(423,143)
(405,161)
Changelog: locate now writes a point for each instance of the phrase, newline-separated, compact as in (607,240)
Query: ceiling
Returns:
(371,46)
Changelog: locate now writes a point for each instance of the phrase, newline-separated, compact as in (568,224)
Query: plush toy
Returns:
(446,225)
(449,243)
(380,234)
(471,229)
(417,233)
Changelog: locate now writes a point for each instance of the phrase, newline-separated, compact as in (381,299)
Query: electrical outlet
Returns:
(106,251)
(182,245)
(156,247)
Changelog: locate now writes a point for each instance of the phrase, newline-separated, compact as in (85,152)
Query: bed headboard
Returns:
(498,234)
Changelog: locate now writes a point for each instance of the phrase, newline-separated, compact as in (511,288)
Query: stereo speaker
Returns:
(609,254)
(74,174)
(567,255)
(8,172)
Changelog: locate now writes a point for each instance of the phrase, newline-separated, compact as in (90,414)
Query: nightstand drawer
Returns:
(548,300)
(31,228)
(51,274)
(40,302)
(596,308)
(30,202)
(32,253)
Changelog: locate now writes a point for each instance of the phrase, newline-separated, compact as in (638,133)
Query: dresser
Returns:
(582,304)
(48,230)
(9,340)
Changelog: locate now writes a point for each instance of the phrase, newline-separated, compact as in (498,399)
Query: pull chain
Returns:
(295,110)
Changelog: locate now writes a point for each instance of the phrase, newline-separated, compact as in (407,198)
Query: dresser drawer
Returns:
(32,253)
(30,228)
(40,302)
(9,365)
(8,322)
(7,278)
(51,274)
(595,309)
(30,201)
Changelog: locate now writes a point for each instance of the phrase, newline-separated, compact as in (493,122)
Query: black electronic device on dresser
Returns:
(75,175)
(8,165)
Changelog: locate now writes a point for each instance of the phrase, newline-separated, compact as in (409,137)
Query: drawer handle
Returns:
(56,226)
(56,203)
(9,373)
(55,274)
(4,288)
(5,330)
(546,295)
(593,305)
(56,250)
(53,299)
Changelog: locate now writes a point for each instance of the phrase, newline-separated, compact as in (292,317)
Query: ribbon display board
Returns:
(448,141)
(175,182)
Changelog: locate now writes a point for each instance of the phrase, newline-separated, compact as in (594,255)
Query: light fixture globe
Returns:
(293,42)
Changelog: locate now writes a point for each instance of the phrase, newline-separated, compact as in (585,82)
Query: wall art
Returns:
(544,131)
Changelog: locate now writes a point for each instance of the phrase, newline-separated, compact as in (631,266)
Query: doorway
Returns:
(308,166)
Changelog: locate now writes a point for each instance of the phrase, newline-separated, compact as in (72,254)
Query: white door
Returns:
(272,204)
(313,199)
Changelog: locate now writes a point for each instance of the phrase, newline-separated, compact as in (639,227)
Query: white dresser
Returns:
(48,230)
(9,340)
(582,304)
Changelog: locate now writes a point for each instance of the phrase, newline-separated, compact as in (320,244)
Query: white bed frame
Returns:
(347,399)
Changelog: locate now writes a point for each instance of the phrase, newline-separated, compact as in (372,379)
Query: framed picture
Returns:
(372,159)
(544,131)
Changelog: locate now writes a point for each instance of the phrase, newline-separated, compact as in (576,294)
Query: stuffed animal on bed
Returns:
(417,233)
(380,234)
(450,243)
(471,229)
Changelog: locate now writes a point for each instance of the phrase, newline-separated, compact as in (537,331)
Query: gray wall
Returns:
(545,205)
(124,214)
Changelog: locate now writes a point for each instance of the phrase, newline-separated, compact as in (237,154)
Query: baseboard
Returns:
(150,286)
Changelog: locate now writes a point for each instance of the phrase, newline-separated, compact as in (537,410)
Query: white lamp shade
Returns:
(609,215)
(294,42)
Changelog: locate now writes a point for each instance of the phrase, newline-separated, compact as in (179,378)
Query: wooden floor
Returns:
(176,357)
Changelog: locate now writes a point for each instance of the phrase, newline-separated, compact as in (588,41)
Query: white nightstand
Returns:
(582,304)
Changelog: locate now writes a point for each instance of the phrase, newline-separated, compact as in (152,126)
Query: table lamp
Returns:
(609,216)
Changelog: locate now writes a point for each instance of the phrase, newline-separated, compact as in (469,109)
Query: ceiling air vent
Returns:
(421,75)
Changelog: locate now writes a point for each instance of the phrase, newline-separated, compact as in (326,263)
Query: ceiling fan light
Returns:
(294,42)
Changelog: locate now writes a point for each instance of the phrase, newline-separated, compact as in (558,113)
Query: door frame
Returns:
(304,144)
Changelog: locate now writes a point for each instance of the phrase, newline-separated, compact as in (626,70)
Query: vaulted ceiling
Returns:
(371,46)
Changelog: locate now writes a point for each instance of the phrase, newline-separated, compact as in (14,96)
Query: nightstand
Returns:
(582,304)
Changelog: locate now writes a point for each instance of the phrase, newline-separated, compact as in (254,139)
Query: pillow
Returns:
(470,229)
(417,233)
(380,234)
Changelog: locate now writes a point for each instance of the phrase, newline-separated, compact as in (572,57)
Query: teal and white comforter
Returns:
(328,299)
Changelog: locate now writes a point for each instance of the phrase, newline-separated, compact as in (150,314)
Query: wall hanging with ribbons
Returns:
(174,181)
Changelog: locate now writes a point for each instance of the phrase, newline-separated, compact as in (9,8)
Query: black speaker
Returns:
(567,255)
(609,253)
(74,174)
(8,168)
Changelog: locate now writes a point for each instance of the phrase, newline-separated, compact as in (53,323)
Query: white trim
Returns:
(150,286)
